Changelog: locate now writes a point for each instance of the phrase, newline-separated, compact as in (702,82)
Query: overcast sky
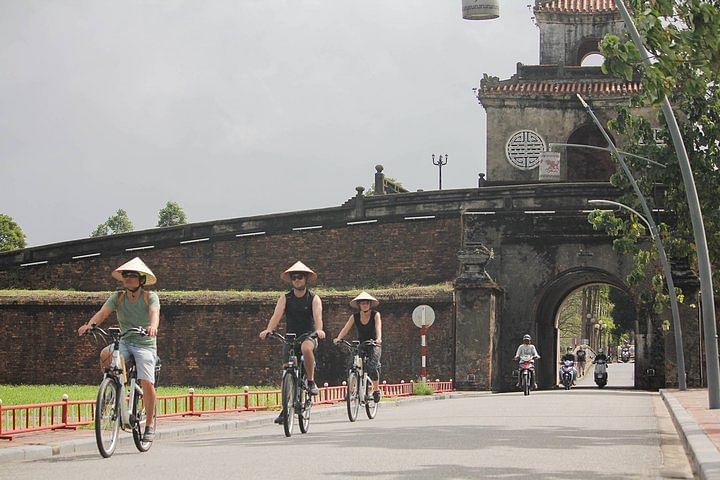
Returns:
(235,108)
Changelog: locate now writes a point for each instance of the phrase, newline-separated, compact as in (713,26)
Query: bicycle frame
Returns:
(118,372)
(295,366)
(360,365)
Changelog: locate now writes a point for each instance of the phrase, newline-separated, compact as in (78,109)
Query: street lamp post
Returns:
(706,286)
(667,271)
(440,162)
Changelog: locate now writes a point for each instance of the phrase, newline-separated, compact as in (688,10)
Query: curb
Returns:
(40,452)
(704,456)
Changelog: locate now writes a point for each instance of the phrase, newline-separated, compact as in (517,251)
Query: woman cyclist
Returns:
(368,323)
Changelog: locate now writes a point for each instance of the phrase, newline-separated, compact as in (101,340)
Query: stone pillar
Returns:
(379,180)
(477,300)
(359,202)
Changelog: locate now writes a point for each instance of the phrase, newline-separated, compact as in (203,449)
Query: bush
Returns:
(422,388)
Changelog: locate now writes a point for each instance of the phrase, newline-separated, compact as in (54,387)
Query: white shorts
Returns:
(145,360)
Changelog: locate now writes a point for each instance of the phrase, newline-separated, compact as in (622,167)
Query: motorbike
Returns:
(625,355)
(601,376)
(527,373)
(566,373)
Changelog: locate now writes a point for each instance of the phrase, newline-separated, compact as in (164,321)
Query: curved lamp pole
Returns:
(655,234)
(667,271)
(706,286)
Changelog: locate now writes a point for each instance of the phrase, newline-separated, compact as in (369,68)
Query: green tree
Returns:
(684,39)
(11,235)
(172,214)
(118,223)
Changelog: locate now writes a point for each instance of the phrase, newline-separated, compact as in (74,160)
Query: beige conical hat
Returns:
(301,268)
(135,265)
(364,296)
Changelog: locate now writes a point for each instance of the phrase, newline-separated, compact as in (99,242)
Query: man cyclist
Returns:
(303,314)
(135,307)
(368,324)
(581,355)
(526,348)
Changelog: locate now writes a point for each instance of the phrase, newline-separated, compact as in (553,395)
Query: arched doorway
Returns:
(597,330)
(588,165)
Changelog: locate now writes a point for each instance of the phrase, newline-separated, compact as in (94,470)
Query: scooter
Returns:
(567,371)
(527,373)
(625,355)
(601,377)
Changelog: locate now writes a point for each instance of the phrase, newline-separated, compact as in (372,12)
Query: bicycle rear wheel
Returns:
(353,395)
(288,402)
(107,416)
(305,408)
(371,405)
(138,413)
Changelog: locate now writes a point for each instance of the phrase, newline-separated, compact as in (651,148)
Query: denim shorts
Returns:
(145,360)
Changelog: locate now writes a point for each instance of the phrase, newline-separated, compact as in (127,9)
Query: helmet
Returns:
(527,337)
(569,349)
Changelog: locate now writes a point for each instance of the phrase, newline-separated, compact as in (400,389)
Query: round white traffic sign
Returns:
(423,315)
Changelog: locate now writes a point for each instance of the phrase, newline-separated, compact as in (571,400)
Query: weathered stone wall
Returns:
(554,120)
(212,338)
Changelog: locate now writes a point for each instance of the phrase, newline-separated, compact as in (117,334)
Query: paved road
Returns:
(553,434)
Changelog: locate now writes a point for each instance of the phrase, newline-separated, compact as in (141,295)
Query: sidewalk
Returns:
(698,427)
(46,444)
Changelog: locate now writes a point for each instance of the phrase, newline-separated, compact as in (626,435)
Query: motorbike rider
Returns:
(600,356)
(569,355)
(526,348)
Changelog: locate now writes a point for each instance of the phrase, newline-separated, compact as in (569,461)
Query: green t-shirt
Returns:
(134,314)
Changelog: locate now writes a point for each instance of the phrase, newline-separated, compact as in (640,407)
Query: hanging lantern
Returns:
(480,9)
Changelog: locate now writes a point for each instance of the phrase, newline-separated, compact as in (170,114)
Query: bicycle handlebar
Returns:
(112,334)
(357,343)
(297,339)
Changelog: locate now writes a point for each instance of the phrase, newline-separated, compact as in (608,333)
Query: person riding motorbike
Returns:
(569,356)
(526,348)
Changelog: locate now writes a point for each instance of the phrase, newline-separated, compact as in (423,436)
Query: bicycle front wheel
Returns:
(288,402)
(304,413)
(107,416)
(353,395)
(371,405)
(139,422)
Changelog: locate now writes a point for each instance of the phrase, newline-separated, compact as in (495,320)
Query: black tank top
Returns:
(365,332)
(298,313)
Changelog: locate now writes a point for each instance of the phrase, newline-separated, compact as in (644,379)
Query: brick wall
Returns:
(211,341)
(407,252)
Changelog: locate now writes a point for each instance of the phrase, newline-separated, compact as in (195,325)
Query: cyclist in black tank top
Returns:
(369,327)
(303,314)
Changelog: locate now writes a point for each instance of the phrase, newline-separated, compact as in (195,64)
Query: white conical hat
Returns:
(364,296)
(135,265)
(300,268)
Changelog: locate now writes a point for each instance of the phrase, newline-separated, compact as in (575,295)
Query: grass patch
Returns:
(29,394)
(422,388)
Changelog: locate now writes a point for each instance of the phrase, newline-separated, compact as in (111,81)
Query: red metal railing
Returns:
(66,414)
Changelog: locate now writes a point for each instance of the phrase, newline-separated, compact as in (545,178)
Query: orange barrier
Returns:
(66,414)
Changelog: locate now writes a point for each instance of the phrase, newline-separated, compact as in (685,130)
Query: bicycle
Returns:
(359,384)
(115,408)
(294,390)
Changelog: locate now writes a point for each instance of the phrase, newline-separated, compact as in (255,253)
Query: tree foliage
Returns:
(683,38)
(170,215)
(11,235)
(118,223)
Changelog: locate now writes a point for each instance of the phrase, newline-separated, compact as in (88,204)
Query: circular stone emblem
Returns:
(523,149)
